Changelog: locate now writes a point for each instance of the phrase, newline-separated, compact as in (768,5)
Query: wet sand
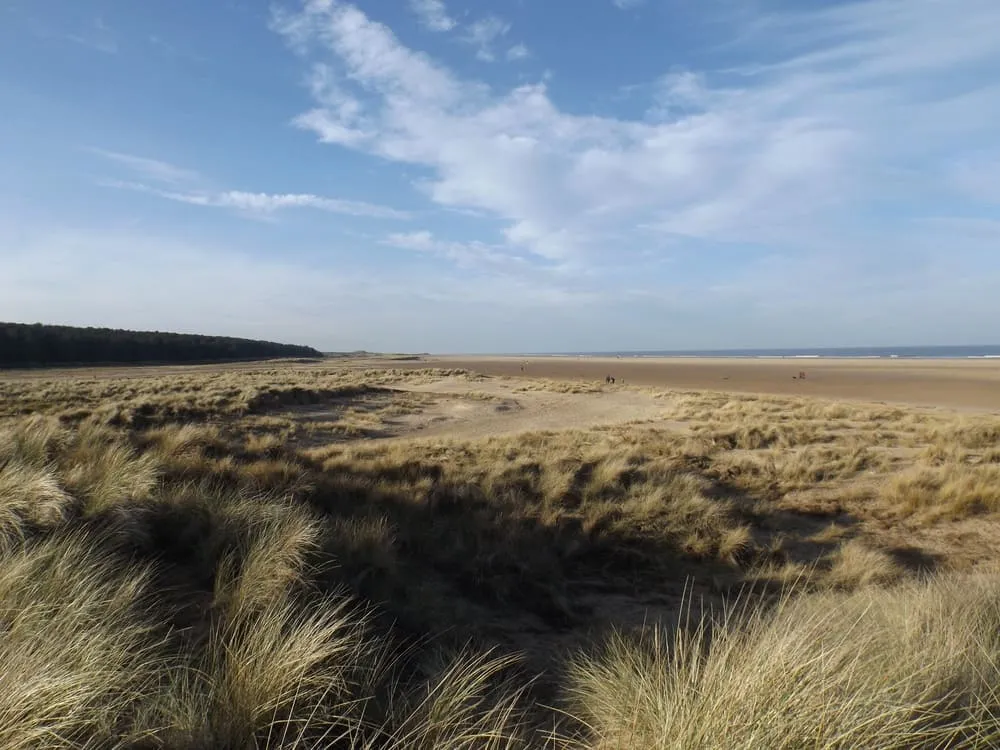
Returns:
(951,384)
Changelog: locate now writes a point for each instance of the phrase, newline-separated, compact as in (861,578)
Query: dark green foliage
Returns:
(23,345)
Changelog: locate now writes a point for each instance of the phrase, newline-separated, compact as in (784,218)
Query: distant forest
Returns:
(37,345)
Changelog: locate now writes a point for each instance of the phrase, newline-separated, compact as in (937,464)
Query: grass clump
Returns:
(78,654)
(951,491)
(909,667)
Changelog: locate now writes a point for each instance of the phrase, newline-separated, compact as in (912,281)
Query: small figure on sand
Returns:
(609,380)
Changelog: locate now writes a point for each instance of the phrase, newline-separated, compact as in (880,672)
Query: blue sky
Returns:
(505,175)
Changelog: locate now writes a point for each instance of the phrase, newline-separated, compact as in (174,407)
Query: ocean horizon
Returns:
(856,352)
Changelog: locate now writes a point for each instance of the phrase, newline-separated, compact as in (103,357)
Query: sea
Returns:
(857,352)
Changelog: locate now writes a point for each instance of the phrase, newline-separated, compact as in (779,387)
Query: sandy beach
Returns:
(949,384)
(953,384)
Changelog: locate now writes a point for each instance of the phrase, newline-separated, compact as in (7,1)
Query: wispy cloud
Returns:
(627,4)
(465,254)
(150,169)
(483,35)
(264,204)
(433,14)
(170,178)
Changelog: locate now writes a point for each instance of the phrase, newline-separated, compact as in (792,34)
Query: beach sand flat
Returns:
(963,384)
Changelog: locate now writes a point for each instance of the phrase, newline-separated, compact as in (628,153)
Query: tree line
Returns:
(38,345)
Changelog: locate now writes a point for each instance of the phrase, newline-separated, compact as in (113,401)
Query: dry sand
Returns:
(972,385)
(459,409)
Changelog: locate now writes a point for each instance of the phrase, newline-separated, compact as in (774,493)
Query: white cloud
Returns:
(627,4)
(518,52)
(150,169)
(564,182)
(341,119)
(483,35)
(782,152)
(433,14)
(368,49)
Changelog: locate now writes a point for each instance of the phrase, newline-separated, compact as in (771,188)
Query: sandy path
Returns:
(463,413)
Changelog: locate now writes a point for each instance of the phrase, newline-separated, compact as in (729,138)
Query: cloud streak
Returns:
(171,177)
(265,204)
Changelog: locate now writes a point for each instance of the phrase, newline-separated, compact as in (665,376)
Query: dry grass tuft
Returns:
(910,667)
(30,496)
(76,657)
(854,565)
(952,491)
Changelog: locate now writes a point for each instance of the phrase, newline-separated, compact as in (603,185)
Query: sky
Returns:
(486,176)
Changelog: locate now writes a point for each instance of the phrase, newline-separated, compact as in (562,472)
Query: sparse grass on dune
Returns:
(521,528)
(560,386)
(93,656)
(145,401)
(185,565)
